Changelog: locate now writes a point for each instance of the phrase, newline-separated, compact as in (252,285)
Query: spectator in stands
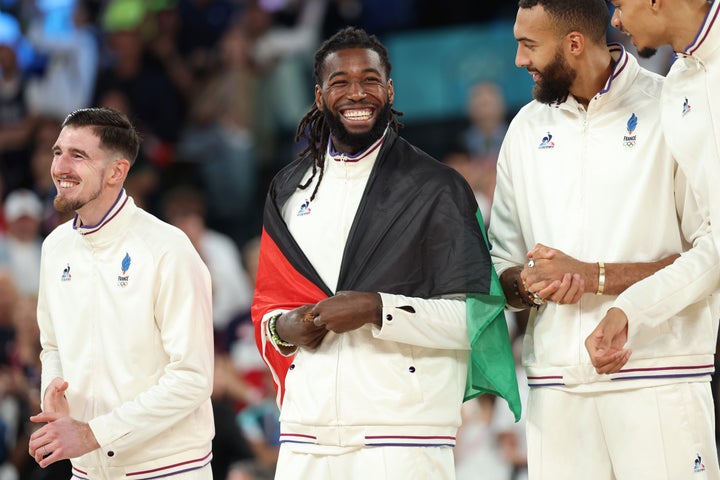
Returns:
(184,207)
(22,394)
(66,36)
(230,444)
(153,98)
(163,45)
(218,144)
(47,130)
(488,123)
(16,124)
(22,243)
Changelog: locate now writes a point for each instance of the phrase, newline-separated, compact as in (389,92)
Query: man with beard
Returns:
(376,305)
(592,220)
(125,318)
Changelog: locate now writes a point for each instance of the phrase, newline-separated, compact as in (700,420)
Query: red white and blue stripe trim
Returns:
(546,381)
(166,471)
(710,21)
(382,440)
(620,64)
(343,157)
(646,373)
(664,372)
(112,213)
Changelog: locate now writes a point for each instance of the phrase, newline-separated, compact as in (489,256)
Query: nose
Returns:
(615,20)
(521,60)
(356,91)
(60,163)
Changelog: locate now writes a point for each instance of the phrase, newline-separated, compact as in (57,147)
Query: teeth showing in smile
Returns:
(65,184)
(363,114)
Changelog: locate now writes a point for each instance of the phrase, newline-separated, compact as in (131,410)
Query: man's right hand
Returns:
(297,327)
(606,344)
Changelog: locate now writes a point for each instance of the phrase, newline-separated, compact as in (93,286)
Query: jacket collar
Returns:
(623,75)
(114,221)
(707,39)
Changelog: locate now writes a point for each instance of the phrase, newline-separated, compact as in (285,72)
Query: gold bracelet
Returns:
(601,278)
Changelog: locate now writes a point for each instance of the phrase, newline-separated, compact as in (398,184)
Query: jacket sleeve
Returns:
(431,323)
(51,365)
(691,278)
(508,247)
(183,313)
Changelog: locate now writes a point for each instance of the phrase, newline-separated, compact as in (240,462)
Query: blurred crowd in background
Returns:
(216,88)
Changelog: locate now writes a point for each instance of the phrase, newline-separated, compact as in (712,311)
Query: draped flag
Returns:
(416,233)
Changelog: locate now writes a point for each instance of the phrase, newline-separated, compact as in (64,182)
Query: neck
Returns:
(593,73)
(684,22)
(93,212)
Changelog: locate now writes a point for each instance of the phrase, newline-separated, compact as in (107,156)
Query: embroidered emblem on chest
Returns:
(123,279)
(66,277)
(547,142)
(304,208)
(629,140)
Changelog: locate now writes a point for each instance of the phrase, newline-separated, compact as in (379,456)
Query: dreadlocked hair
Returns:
(313,127)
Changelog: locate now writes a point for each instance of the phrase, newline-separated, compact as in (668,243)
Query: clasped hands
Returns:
(557,277)
(553,275)
(307,325)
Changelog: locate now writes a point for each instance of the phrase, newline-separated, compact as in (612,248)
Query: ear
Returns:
(574,43)
(656,5)
(118,171)
(318,98)
(391,91)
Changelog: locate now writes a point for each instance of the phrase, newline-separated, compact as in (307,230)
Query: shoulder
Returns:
(158,233)
(530,114)
(292,172)
(59,235)
(648,83)
(407,160)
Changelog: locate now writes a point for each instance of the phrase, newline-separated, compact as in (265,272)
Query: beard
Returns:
(357,141)
(65,205)
(647,52)
(554,85)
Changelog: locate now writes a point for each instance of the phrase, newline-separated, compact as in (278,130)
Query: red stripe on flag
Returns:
(278,286)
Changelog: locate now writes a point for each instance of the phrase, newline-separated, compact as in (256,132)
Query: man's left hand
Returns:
(347,310)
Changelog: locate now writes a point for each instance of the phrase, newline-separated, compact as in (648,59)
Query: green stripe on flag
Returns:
(491,367)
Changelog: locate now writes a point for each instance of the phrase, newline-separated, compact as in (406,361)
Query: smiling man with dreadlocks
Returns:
(376,307)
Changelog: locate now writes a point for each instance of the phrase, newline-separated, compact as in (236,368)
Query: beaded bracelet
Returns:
(524,300)
(273,332)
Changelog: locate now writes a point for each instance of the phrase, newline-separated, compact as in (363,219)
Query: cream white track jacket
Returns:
(125,317)
(691,113)
(600,185)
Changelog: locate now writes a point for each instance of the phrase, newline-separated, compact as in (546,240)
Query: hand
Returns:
(55,400)
(570,289)
(554,275)
(346,311)
(297,327)
(605,344)
(61,438)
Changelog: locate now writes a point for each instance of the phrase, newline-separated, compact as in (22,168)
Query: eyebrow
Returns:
(525,39)
(367,70)
(71,150)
